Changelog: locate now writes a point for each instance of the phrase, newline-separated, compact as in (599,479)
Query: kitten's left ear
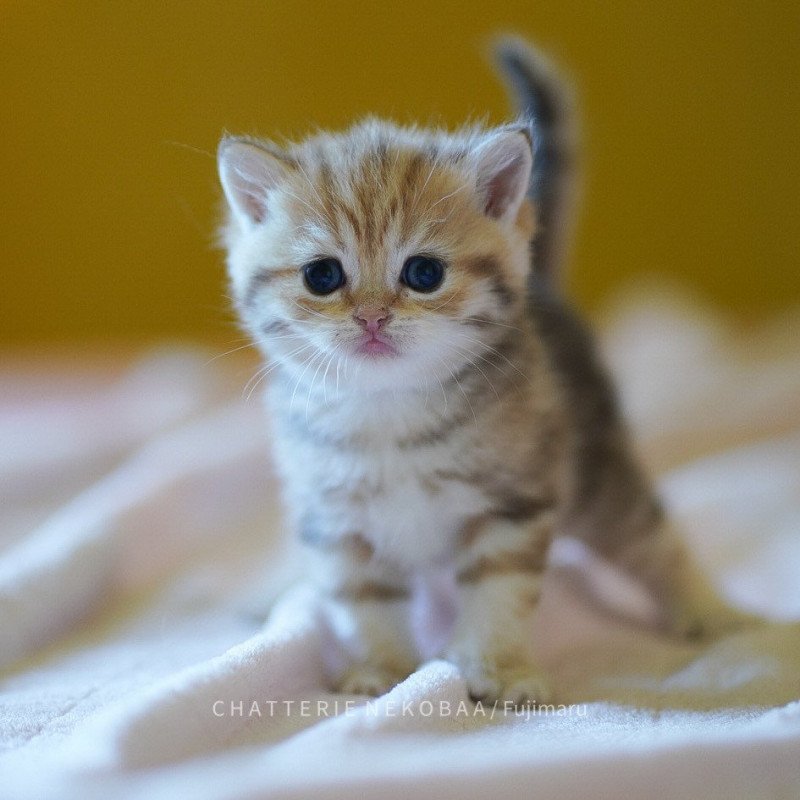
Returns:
(504,162)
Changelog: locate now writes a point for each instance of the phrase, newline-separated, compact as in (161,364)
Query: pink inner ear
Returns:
(248,173)
(504,162)
(254,200)
(503,189)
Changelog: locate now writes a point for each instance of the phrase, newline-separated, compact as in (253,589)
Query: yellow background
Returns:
(111,112)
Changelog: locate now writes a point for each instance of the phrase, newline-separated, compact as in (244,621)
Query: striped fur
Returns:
(487,428)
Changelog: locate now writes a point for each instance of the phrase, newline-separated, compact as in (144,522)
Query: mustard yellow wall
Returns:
(111,110)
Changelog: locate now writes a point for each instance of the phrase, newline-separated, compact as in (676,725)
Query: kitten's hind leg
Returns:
(369,606)
(499,570)
(689,604)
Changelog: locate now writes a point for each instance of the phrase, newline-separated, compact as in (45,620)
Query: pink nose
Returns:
(372,319)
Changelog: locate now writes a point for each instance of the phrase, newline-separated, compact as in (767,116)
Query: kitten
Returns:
(435,402)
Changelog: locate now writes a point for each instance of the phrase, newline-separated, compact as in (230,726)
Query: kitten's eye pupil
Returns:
(323,276)
(422,273)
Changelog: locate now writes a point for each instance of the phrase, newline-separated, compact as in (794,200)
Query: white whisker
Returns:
(311,311)
(466,353)
(314,211)
(311,386)
(325,374)
(307,364)
(424,186)
(346,365)
(449,299)
(338,364)
(491,322)
(498,353)
(444,393)
(266,369)
(235,350)
(458,383)
(446,197)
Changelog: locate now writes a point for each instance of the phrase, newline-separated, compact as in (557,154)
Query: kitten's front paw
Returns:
(498,680)
(521,689)
(370,679)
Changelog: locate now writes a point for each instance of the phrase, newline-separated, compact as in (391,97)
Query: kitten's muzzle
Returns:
(371,319)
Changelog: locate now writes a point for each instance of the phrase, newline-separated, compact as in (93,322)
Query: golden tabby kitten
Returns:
(435,403)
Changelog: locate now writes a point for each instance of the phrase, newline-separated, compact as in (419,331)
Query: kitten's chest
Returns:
(398,500)
(409,514)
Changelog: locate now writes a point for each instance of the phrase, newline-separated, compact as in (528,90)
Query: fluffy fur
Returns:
(483,427)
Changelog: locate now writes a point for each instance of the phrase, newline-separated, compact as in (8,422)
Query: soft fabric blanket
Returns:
(141,551)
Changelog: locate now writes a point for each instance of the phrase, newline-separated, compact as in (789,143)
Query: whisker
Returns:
(311,386)
(346,364)
(467,353)
(273,362)
(424,186)
(485,321)
(325,374)
(458,383)
(307,364)
(308,205)
(449,299)
(311,311)
(498,353)
(256,376)
(191,148)
(274,339)
(235,350)
(444,393)
(310,184)
(446,197)
(262,373)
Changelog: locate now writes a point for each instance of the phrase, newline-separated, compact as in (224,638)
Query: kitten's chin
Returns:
(384,369)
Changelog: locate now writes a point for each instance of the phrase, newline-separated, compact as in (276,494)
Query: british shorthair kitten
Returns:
(435,402)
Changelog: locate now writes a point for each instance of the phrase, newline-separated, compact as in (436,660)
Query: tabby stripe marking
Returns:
(532,561)
(370,590)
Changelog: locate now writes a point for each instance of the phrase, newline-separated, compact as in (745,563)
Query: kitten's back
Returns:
(611,498)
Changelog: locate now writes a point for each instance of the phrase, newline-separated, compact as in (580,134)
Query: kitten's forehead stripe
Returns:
(381,189)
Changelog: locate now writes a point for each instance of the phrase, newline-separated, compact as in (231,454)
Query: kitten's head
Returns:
(385,255)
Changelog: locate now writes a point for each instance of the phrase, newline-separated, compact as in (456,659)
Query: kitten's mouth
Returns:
(376,345)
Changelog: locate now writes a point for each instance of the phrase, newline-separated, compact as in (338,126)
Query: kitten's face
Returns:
(379,259)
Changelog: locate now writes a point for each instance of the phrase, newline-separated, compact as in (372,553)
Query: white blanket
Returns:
(140,551)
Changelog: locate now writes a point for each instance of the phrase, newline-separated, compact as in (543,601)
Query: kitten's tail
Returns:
(546,102)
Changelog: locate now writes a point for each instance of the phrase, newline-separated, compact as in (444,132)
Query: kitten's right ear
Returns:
(248,172)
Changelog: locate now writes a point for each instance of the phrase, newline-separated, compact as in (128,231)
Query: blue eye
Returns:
(323,276)
(422,273)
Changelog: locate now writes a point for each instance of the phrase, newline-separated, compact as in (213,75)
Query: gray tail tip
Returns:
(541,89)
(514,54)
